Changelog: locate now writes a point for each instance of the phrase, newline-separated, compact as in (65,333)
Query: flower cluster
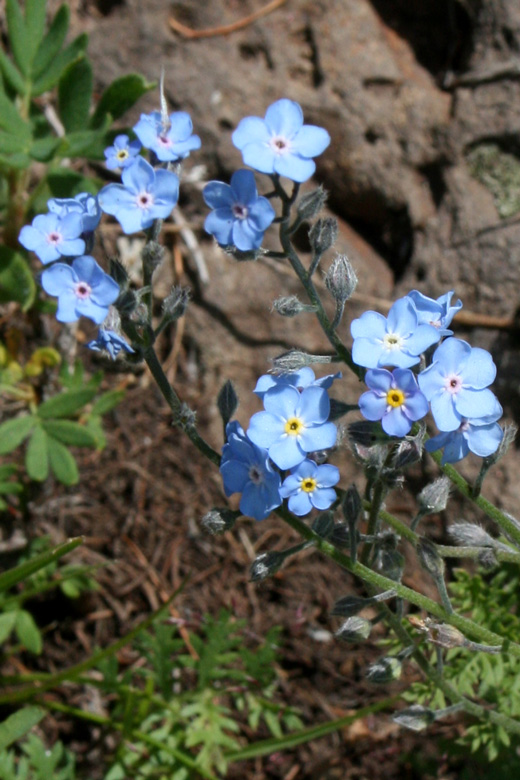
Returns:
(455,386)
(280,443)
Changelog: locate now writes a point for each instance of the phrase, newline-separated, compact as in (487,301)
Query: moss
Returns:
(499,171)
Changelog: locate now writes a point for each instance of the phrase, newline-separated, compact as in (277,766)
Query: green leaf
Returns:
(37,456)
(69,432)
(10,488)
(18,724)
(7,470)
(10,143)
(53,41)
(11,121)
(12,577)
(19,160)
(28,632)
(16,280)
(7,621)
(50,77)
(108,401)
(13,76)
(62,463)
(95,426)
(65,404)
(43,149)
(74,95)
(35,12)
(18,36)
(13,432)
(84,143)
(119,97)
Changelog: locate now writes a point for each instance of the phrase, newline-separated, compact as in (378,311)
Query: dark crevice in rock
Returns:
(434,175)
(439,31)
(318,76)
(106,7)
(252,51)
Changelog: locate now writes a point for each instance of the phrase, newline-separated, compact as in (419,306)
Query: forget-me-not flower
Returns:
(281,143)
(246,469)
(111,342)
(171,138)
(301,379)
(480,435)
(310,485)
(293,424)
(50,236)
(456,381)
(394,398)
(122,153)
(241,215)
(438,313)
(396,340)
(144,196)
(82,289)
(85,204)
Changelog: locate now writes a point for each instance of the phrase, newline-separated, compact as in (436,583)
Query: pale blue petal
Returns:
(220,224)
(310,141)
(474,403)
(405,380)
(322,498)
(244,235)
(379,379)
(286,452)
(394,357)
(284,118)
(73,247)
(243,186)
(251,128)
(89,309)
(396,423)
(217,195)
(328,475)
(294,167)
(371,324)
(416,406)
(372,406)
(264,429)
(444,412)
(262,214)
(484,440)
(66,311)
(58,279)
(321,437)
(138,177)
(235,476)
(366,352)
(300,503)
(479,370)
(181,126)
(166,188)
(402,318)
(314,405)
(259,156)
(452,355)
(431,381)
(421,339)
(282,401)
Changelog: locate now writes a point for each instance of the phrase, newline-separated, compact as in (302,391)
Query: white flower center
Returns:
(82,290)
(239,211)
(144,200)
(280,145)
(164,140)
(393,342)
(453,384)
(54,238)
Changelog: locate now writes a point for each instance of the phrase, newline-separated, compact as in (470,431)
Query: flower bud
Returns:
(434,497)
(127,303)
(323,525)
(445,635)
(351,505)
(487,559)
(118,273)
(227,401)
(174,305)
(217,521)
(294,360)
(391,564)
(153,255)
(408,452)
(323,235)
(416,717)
(339,409)
(385,670)
(470,535)
(429,558)
(354,629)
(291,306)
(265,565)
(310,204)
(347,606)
(341,279)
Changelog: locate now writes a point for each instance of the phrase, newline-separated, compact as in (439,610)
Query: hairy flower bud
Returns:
(354,629)
(294,360)
(127,303)
(218,520)
(341,279)
(416,717)
(227,401)
(266,565)
(429,558)
(310,204)
(470,535)
(434,497)
(385,670)
(347,606)
(323,525)
(153,255)
(323,235)
(290,306)
(351,505)
(174,305)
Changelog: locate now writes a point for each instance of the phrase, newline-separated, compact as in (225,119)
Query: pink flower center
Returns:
(164,140)
(453,384)
(144,200)
(54,238)
(279,145)
(82,290)
(239,211)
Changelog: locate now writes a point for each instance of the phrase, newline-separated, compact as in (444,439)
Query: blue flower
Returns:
(281,143)
(122,153)
(455,383)
(438,313)
(111,342)
(170,140)
(241,215)
(144,196)
(85,204)
(51,236)
(83,289)
(396,340)
(293,424)
(310,485)
(480,435)
(301,379)
(246,469)
(394,398)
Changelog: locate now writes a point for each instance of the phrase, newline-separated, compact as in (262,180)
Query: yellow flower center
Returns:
(395,398)
(122,154)
(309,484)
(293,426)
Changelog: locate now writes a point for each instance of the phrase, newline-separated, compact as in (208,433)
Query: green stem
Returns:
(374,507)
